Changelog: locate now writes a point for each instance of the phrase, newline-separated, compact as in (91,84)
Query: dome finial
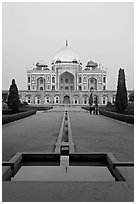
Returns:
(66,43)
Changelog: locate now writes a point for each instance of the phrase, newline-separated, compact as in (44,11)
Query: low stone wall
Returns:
(117,116)
(11,118)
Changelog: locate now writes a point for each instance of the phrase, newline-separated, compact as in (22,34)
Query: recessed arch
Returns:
(47,98)
(92,84)
(76,99)
(104,99)
(66,99)
(41,84)
(113,99)
(66,81)
(28,98)
(37,99)
(57,99)
(85,99)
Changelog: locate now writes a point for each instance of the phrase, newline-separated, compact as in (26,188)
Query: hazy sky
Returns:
(103,32)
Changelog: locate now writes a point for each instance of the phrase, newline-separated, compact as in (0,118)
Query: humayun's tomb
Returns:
(66,81)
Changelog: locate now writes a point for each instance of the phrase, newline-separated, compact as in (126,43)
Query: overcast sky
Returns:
(103,32)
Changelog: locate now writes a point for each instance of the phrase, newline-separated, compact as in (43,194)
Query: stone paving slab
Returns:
(127,173)
(35,133)
(67,192)
(95,133)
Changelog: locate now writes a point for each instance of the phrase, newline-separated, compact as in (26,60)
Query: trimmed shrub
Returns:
(121,95)
(4,106)
(39,108)
(90,99)
(13,97)
(117,116)
(13,117)
(23,104)
(86,107)
(7,112)
(109,105)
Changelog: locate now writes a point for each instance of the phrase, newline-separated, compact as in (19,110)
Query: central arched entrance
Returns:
(66,81)
(66,100)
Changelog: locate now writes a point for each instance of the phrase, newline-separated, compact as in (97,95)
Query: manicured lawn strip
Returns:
(117,116)
(13,117)
(39,108)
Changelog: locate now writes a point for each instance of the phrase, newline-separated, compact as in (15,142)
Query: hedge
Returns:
(13,117)
(39,108)
(27,108)
(6,112)
(117,116)
(86,107)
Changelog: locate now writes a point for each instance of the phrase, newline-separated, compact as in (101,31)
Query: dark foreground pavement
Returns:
(67,191)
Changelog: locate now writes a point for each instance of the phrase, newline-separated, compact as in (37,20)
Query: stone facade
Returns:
(66,97)
(66,81)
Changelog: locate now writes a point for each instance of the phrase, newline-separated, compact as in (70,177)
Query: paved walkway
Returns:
(92,133)
(66,191)
(35,133)
(68,108)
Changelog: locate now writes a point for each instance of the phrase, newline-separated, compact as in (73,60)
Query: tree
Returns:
(131,96)
(121,95)
(109,104)
(91,100)
(91,103)
(13,97)
(96,105)
(96,101)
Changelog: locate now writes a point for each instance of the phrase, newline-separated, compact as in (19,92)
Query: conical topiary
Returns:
(121,95)
(13,97)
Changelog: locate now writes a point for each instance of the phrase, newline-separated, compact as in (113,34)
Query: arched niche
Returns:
(57,99)
(76,99)
(85,100)
(66,81)
(66,99)
(37,99)
(92,84)
(47,99)
(41,84)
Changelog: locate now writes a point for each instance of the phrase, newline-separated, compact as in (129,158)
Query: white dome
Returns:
(43,63)
(66,54)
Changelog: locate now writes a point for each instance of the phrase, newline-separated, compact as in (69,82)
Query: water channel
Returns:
(63,172)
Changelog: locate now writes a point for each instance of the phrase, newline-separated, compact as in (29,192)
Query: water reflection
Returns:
(64,172)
